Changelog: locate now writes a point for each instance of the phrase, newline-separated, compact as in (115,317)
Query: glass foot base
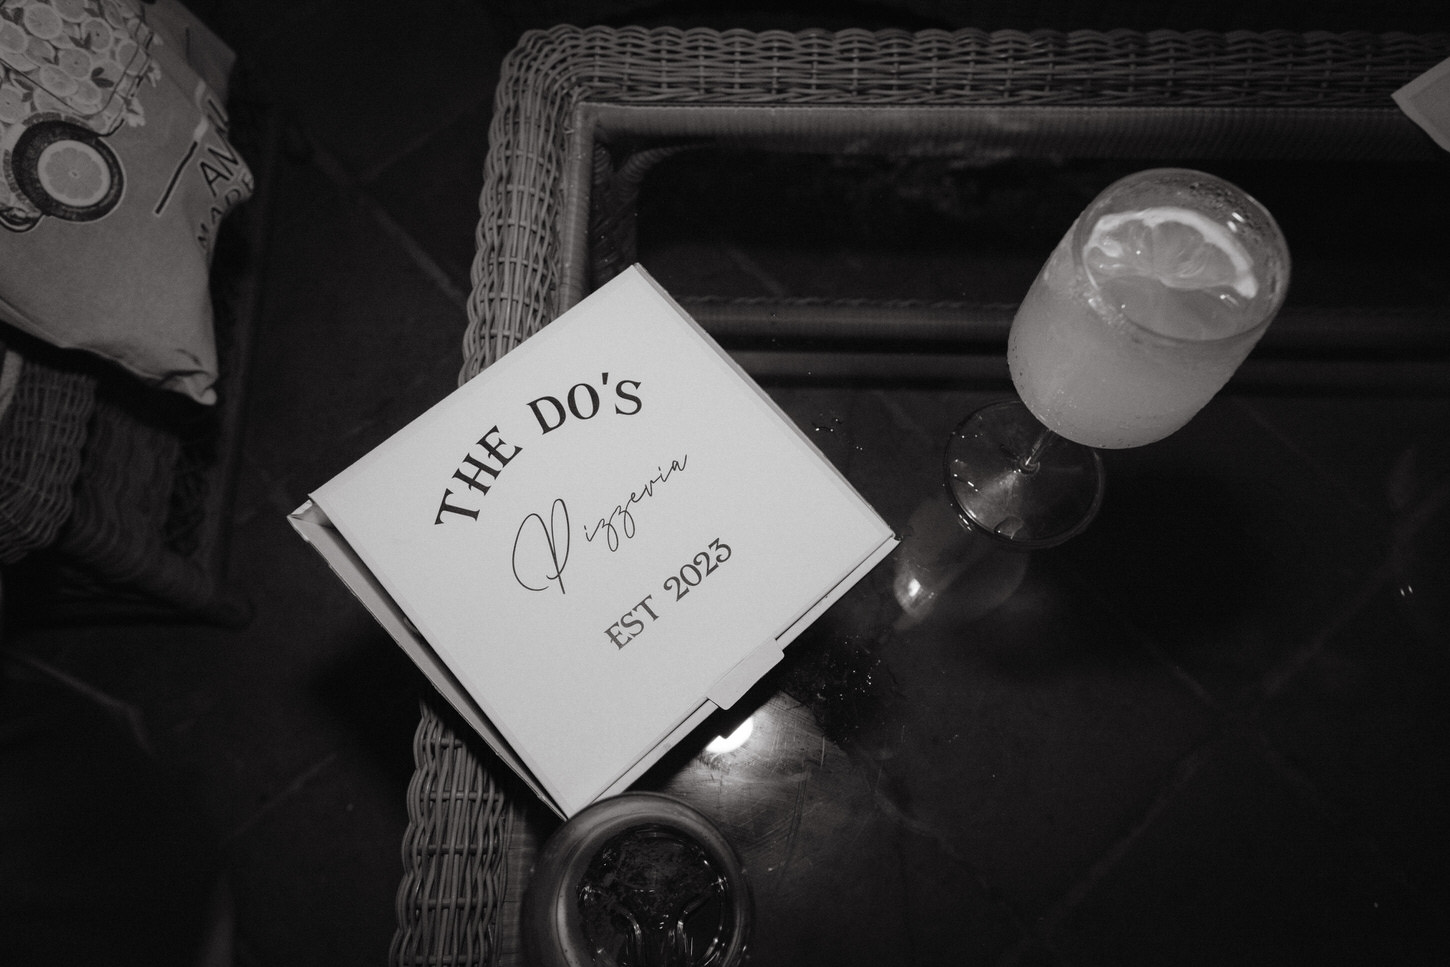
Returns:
(1012,478)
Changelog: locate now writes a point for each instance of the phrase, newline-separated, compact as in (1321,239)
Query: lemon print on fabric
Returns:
(67,171)
(57,82)
(42,21)
(71,73)
(12,38)
(73,11)
(74,61)
(74,174)
(39,51)
(97,34)
(13,107)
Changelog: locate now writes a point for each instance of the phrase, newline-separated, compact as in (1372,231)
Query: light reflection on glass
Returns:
(940,554)
(733,741)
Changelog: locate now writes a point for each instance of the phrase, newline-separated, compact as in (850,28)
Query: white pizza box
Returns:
(598,541)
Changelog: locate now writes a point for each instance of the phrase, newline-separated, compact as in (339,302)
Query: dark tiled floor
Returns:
(1285,769)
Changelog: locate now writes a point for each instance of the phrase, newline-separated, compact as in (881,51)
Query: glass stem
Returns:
(1029,461)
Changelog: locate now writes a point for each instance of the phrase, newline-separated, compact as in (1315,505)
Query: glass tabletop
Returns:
(1192,718)
(1206,730)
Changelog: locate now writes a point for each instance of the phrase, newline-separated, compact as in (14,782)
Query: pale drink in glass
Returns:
(1147,306)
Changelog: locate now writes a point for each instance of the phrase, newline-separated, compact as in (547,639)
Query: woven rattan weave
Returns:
(555,220)
(42,433)
(566,90)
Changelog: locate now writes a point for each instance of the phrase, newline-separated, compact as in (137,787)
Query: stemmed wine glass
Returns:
(1144,310)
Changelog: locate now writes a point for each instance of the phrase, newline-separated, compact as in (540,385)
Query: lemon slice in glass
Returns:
(1180,247)
(1172,270)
